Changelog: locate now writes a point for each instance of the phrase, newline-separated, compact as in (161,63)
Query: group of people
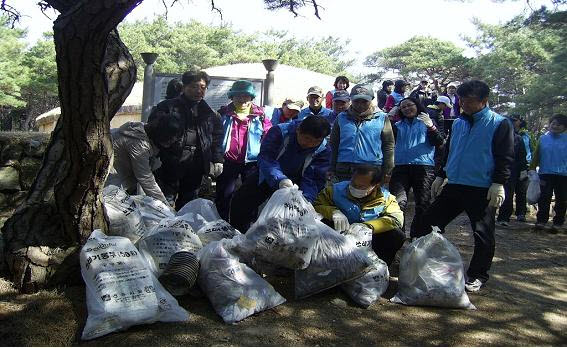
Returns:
(355,161)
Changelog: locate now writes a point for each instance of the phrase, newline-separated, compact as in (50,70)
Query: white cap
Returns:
(445,100)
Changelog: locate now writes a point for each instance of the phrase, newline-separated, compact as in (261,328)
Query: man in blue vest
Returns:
(315,99)
(476,167)
(289,111)
(361,202)
(293,153)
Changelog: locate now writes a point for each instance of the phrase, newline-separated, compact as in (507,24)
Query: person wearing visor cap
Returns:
(362,204)
(315,98)
(361,135)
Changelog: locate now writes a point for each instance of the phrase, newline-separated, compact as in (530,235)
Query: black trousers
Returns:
(520,188)
(226,183)
(420,179)
(453,200)
(180,183)
(550,184)
(246,200)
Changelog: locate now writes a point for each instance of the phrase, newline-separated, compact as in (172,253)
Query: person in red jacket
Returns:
(341,84)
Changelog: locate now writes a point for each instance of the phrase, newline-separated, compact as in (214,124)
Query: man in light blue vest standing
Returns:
(476,167)
(315,107)
(361,136)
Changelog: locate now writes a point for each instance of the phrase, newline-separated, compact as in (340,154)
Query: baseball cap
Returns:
(341,95)
(452,84)
(315,90)
(362,92)
(445,100)
(293,104)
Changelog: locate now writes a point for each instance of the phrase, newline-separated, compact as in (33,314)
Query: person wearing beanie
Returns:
(455,111)
(199,150)
(361,136)
(397,95)
(245,125)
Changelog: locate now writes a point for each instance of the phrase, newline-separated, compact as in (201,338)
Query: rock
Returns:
(4,201)
(9,179)
(36,148)
(11,152)
(28,170)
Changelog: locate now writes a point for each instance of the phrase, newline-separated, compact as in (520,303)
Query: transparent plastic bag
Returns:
(216,230)
(125,219)
(288,204)
(152,210)
(432,274)
(369,287)
(360,234)
(235,291)
(283,242)
(199,212)
(335,260)
(172,235)
(120,289)
(534,189)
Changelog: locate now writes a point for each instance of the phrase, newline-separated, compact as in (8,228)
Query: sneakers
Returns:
(473,285)
(521,218)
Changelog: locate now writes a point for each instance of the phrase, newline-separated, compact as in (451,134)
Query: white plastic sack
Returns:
(169,237)
(283,242)
(335,260)
(199,212)
(432,274)
(367,289)
(216,230)
(235,291)
(123,214)
(121,290)
(534,189)
(360,234)
(152,210)
(288,204)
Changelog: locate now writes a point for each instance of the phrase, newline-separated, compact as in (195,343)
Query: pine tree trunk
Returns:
(95,73)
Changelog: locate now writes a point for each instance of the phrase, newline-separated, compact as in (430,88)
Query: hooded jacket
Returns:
(134,160)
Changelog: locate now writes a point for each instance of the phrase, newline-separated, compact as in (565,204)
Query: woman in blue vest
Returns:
(397,95)
(416,138)
(244,126)
(551,157)
(361,136)
(289,111)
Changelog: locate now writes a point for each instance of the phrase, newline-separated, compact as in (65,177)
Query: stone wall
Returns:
(21,154)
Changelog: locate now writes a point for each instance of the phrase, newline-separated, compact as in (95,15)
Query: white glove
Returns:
(495,195)
(340,221)
(437,186)
(216,169)
(285,183)
(423,117)
(523,175)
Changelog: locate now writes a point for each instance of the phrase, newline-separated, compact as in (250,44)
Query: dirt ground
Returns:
(523,304)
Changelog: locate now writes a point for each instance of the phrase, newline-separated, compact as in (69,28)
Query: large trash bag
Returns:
(534,189)
(235,291)
(368,288)
(432,274)
(152,210)
(288,204)
(199,212)
(216,230)
(283,242)
(123,214)
(121,290)
(335,260)
(172,235)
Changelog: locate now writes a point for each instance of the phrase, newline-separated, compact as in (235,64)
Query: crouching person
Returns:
(135,146)
(293,153)
(362,201)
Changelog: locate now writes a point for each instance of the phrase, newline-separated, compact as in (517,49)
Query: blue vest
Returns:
(352,210)
(307,112)
(526,139)
(412,145)
(470,160)
(362,143)
(553,154)
(255,132)
(397,97)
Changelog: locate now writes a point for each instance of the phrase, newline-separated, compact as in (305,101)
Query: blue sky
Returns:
(369,24)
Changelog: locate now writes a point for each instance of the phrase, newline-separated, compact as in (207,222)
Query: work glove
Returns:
(286,183)
(495,195)
(340,221)
(437,186)
(423,117)
(523,175)
(216,169)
